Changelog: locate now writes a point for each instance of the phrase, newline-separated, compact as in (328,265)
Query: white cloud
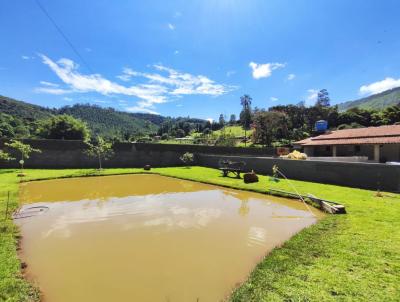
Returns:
(211,120)
(49,84)
(27,57)
(264,70)
(68,99)
(128,74)
(273,99)
(140,109)
(171,26)
(291,76)
(52,90)
(67,71)
(158,87)
(186,83)
(380,86)
(311,97)
(176,52)
(230,73)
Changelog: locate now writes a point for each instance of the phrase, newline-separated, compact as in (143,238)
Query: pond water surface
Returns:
(148,237)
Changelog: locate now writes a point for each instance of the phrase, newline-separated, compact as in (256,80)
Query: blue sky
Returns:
(197,57)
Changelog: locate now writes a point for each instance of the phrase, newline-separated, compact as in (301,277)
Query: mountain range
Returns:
(109,122)
(376,101)
(104,121)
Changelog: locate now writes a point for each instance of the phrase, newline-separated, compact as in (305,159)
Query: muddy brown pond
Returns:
(148,237)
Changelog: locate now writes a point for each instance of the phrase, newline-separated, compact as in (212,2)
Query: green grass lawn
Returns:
(352,257)
(233,130)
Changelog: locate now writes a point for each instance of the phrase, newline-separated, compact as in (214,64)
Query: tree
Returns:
(221,120)
(99,149)
(392,114)
(180,133)
(215,126)
(323,98)
(269,126)
(6,130)
(25,151)
(63,127)
(232,119)
(301,104)
(245,114)
(13,127)
(5,156)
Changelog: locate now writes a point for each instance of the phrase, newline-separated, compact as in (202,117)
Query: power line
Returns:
(63,35)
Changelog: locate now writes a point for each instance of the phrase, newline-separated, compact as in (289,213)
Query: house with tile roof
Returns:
(379,144)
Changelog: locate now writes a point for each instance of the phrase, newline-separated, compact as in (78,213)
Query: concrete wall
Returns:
(350,159)
(390,152)
(360,175)
(71,154)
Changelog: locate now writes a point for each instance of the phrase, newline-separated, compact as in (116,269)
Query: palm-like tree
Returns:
(245,101)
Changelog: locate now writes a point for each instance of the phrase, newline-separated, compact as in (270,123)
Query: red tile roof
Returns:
(359,136)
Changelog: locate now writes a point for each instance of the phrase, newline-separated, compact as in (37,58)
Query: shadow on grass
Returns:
(230,177)
(6,171)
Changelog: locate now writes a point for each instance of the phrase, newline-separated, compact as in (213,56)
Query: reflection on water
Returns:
(148,237)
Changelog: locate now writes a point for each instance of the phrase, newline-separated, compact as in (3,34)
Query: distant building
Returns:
(379,144)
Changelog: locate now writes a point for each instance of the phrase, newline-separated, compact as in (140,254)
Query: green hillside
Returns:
(23,110)
(19,119)
(110,123)
(233,130)
(377,101)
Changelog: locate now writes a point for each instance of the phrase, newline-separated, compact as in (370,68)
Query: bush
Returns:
(180,133)
(187,158)
(226,140)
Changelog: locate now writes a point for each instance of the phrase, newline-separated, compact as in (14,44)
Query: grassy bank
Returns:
(343,257)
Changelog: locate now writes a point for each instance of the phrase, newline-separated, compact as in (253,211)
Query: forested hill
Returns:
(107,122)
(377,101)
(21,120)
(23,110)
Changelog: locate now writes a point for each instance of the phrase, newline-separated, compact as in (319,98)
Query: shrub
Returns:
(226,140)
(187,158)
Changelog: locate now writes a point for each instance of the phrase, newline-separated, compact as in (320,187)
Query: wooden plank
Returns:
(325,205)
(328,206)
